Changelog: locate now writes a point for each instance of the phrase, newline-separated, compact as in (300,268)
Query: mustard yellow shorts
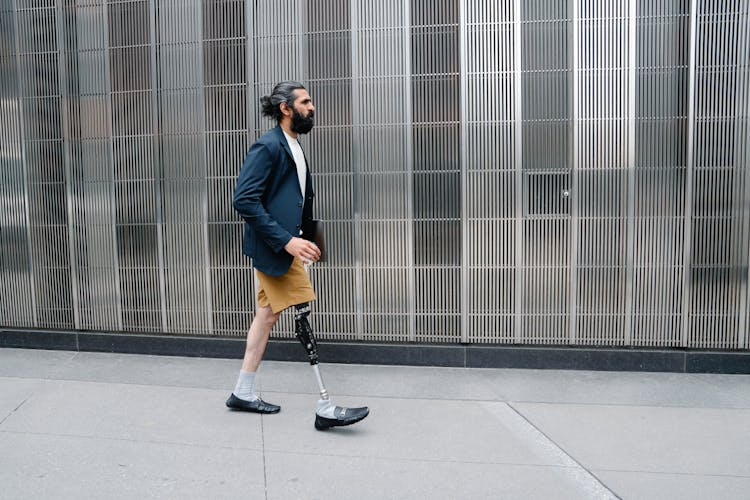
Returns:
(286,290)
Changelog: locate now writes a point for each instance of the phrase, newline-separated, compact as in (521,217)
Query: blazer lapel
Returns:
(284,144)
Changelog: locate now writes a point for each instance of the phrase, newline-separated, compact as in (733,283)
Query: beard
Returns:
(302,124)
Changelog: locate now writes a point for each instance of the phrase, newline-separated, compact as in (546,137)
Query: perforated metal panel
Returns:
(659,167)
(548,172)
(43,164)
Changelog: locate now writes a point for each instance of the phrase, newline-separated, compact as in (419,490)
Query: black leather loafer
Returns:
(257,406)
(344,416)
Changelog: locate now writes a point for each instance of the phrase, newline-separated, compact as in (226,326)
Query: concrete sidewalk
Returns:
(91,425)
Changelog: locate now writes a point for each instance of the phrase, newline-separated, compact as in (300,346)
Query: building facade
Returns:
(490,171)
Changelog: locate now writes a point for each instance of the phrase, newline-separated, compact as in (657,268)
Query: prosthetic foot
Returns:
(327,415)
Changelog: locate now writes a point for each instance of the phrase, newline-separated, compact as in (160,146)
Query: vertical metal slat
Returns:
(64,108)
(688,214)
(158,170)
(574,167)
(518,173)
(407,120)
(464,166)
(631,165)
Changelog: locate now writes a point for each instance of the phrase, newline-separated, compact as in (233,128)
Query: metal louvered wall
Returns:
(491,171)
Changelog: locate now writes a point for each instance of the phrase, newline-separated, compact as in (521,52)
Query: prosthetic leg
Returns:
(327,415)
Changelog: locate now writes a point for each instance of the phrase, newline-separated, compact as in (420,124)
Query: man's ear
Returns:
(286,109)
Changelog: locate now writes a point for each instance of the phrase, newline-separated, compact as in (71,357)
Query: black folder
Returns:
(315,232)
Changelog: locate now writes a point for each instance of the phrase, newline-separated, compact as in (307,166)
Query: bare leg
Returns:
(257,338)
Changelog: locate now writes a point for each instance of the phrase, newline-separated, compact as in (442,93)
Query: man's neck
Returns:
(286,126)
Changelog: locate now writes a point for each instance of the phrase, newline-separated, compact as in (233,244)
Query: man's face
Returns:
(303,112)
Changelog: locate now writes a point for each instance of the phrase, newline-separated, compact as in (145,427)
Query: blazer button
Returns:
(299,204)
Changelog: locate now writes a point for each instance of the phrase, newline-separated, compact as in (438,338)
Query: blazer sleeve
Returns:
(248,195)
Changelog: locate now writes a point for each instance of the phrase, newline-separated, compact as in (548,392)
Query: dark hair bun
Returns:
(267,106)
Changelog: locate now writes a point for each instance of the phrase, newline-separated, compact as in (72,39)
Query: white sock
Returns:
(244,387)
(325,408)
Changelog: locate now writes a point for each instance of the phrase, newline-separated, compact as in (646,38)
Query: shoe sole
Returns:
(249,410)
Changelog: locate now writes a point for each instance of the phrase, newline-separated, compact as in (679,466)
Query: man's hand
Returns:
(305,250)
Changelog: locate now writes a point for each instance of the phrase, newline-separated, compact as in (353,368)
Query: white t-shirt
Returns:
(299,160)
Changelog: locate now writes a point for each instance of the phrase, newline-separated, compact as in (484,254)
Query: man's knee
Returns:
(266,314)
(267,317)
(273,318)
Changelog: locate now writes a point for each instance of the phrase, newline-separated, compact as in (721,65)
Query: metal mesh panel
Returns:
(225,73)
(182,98)
(489,171)
(490,122)
(93,232)
(718,266)
(601,197)
(383,166)
(660,162)
(17,296)
(546,71)
(37,48)
(436,187)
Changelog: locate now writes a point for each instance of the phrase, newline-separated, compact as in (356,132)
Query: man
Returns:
(274,195)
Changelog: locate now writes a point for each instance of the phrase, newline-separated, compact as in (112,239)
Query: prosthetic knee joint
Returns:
(305,335)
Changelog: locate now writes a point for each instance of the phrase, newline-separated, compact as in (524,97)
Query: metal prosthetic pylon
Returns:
(305,335)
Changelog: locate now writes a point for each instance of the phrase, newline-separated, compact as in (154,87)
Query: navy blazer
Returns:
(268,197)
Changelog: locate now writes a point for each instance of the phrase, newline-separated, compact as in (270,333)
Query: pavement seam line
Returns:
(15,409)
(581,475)
(263,454)
(673,473)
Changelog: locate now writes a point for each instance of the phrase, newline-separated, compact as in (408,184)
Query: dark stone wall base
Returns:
(463,356)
